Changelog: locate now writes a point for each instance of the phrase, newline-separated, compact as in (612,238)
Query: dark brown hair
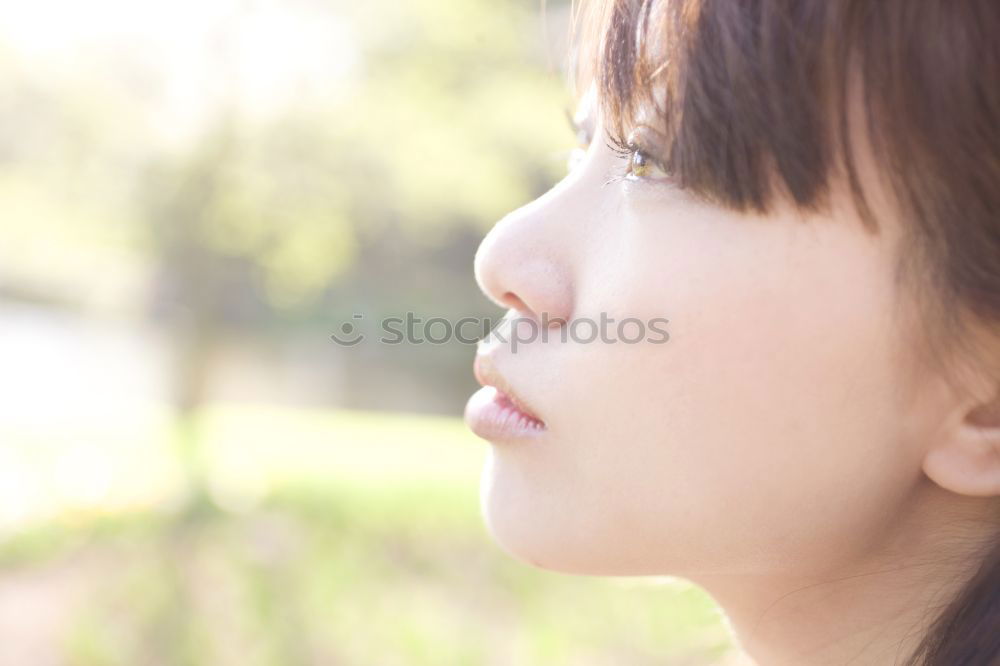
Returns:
(753,102)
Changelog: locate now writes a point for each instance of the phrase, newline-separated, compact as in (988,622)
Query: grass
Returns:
(334,538)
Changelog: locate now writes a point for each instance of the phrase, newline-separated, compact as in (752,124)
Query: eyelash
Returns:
(625,153)
(628,151)
(625,150)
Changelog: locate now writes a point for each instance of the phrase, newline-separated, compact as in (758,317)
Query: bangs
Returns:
(749,99)
(727,97)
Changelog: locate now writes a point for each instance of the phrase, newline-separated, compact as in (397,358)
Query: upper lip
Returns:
(487,374)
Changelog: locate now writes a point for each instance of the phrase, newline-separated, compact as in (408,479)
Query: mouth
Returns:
(495,412)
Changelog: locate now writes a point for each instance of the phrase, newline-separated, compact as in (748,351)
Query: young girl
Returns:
(808,193)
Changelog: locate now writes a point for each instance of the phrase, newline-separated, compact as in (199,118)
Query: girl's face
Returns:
(777,428)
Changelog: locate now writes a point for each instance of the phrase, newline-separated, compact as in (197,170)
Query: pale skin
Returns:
(785,449)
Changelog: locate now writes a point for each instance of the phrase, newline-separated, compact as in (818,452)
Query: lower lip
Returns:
(491,415)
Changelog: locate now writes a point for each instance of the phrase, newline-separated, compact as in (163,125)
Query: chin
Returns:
(520,527)
(540,533)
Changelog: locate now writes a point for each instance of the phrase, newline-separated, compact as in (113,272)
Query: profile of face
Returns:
(783,425)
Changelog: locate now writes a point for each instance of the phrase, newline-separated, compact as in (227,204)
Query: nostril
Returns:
(512,300)
(513,273)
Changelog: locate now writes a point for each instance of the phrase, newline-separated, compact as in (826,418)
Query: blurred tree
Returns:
(434,119)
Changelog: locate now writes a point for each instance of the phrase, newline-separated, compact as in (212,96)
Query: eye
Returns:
(640,162)
(638,154)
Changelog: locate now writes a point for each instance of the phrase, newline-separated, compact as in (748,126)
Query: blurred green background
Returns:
(195,195)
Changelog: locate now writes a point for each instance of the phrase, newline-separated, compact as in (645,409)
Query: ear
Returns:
(965,458)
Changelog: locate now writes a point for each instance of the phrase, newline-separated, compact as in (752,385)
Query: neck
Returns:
(873,610)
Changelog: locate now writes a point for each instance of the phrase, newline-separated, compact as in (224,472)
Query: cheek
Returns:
(761,433)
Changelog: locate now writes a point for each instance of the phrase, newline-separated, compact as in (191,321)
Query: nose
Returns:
(524,263)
